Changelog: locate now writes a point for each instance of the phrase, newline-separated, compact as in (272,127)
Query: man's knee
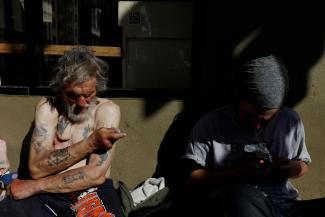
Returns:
(243,200)
(242,192)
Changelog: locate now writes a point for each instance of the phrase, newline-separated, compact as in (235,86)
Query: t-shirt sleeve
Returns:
(198,145)
(301,151)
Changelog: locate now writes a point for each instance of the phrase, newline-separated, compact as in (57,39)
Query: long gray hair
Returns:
(78,65)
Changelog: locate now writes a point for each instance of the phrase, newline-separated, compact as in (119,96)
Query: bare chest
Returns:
(68,133)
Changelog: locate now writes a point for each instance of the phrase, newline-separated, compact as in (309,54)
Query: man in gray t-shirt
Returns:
(243,155)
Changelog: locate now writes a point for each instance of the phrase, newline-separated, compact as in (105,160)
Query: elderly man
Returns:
(72,145)
(241,156)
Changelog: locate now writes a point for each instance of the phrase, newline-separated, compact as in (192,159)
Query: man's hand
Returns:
(104,138)
(253,170)
(21,189)
(248,170)
(283,168)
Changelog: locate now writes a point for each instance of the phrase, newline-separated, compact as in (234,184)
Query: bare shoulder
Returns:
(45,111)
(107,114)
(106,105)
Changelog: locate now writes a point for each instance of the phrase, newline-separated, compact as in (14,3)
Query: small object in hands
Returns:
(117,130)
(264,160)
(261,155)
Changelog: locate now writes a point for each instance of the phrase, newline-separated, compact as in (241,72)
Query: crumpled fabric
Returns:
(148,188)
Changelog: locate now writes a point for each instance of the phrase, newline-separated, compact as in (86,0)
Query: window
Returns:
(147,51)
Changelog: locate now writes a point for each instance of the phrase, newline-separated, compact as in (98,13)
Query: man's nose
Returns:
(82,102)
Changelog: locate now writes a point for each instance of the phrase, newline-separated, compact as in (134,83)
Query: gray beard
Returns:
(81,117)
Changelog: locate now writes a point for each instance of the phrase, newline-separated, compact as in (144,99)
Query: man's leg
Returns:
(58,204)
(111,200)
(238,200)
(242,200)
(100,201)
(29,207)
(302,208)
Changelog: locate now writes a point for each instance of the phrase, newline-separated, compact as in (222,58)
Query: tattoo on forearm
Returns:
(72,178)
(39,135)
(58,156)
(102,157)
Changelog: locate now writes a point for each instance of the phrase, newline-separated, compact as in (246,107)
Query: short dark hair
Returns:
(263,81)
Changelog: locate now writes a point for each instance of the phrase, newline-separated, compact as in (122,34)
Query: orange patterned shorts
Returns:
(90,205)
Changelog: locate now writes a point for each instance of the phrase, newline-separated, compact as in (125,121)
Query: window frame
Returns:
(34,46)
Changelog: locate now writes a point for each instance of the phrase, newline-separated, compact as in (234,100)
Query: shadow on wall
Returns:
(24,152)
(227,33)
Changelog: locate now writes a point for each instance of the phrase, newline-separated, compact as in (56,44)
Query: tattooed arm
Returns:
(93,174)
(68,181)
(77,179)
(44,160)
(107,116)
